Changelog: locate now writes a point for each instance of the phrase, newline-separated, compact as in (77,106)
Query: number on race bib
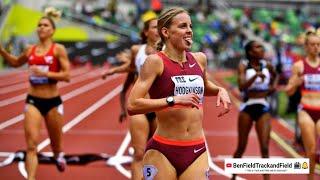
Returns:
(149,171)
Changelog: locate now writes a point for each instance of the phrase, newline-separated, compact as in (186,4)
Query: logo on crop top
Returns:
(48,59)
(191,65)
(193,79)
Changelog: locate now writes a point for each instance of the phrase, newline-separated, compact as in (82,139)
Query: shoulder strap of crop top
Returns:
(33,49)
(190,56)
(51,50)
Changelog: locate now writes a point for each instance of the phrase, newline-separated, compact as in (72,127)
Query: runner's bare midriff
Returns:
(44,90)
(180,123)
(311,100)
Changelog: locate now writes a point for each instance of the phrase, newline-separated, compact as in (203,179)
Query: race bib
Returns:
(259,84)
(149,171)
(312,82)
(187,84)
(40,79)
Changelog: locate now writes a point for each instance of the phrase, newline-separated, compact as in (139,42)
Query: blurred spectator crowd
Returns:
(220,33)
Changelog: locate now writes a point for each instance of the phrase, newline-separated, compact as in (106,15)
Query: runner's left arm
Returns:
(210,88)
(64,73)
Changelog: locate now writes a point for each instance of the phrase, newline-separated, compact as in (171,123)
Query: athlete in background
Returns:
(48,63)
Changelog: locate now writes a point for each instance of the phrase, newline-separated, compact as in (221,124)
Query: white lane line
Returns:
(84,114)
(13,88)
(65,97)
(22,169)
(87,87)
(216,168)
(13,100)
(116,160)
(12,71)
(8,160)
(76,121)
(80,78)
(12,79)
(11,121)
(5,154)
(87,132)
(285,124)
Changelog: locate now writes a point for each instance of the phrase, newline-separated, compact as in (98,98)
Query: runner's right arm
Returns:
(15,61)
(295,80)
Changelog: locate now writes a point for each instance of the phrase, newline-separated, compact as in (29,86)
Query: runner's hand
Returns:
(122,116)
(188,100)
(261,75)
(298,80)
(107,73)
(36,71)
(223,97)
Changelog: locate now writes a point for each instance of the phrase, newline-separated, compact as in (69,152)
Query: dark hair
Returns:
(146,26)
(248,47)
(164,20)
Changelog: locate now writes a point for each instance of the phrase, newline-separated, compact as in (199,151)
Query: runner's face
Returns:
(257,50)
(180,31)
(45,29)
(152,32)
(313,45)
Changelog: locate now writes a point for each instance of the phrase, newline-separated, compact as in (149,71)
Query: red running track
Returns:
(91,126)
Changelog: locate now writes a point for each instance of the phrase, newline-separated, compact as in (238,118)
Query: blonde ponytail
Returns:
(52,13)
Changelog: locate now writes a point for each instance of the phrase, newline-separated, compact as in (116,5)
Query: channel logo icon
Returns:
(304,165)
(297,165)
(228,165)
